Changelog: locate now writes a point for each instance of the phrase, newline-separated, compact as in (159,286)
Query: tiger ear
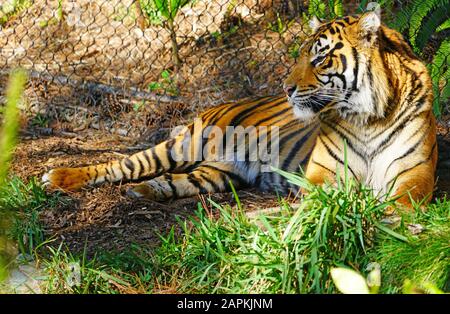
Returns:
(368,25)
(314,24)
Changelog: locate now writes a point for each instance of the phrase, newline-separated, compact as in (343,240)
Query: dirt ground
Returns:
(104,218)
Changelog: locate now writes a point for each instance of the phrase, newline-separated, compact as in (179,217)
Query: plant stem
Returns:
(141,19)
(173,37)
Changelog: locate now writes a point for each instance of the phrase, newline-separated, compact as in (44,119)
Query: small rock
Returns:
(415,228)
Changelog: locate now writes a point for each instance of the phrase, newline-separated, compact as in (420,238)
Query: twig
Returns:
(233,51)
(99,87)
(271,210)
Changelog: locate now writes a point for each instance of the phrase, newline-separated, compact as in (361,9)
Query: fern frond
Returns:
(444,26)
(401,22)
(421,10)
(317,8)
(440,75)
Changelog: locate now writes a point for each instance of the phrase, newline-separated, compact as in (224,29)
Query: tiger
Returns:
(357,100)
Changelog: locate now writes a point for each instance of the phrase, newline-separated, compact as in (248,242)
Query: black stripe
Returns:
(206,115)
(323,48)
(288,117)
(231,175)
(256,143)
(356,69)
(319,79)
(215,116)
(348,141)
(387,141)
(396,47)
(420,128)
(158,164)
(287,127)
(334,144)
(340,76)
(272,116)
(338,46)
(168,178)
(111,175)
(328,65)
(88,172)
(332,154)
(416,165)
(195,182)
(371,84)
(295,149)
(250,111)
(204,175)
(305,160)
(237,120)
(344,62)
(404,117)
(121,170)
(141,164)
(256,102)
(129,165)
(172,162)
(320,165)
(192,167)
(96,174)
(147,158)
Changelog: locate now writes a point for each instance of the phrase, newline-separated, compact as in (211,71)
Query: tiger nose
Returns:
(289,89)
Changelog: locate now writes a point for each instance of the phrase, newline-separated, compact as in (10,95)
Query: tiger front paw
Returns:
(66,179)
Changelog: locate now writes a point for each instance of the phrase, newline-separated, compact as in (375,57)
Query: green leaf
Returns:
(391,232)
(10,117)
(440,75)
(169,8)
(165,74)
(444,26)
(429,26)
(154,86)
(317,8)
(338,8)
(163,7)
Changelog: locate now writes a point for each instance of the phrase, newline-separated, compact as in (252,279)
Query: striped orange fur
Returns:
(356,83)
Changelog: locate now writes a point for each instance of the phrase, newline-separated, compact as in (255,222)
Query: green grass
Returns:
(67,273)
(24,201)
(424,259)
(8,137)
(222,250)
(289,252)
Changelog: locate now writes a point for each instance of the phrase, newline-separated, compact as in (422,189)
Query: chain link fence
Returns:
(137,65)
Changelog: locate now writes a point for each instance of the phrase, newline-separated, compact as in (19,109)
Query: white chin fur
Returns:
(304,114)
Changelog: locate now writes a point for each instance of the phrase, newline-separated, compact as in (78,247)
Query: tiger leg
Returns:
(149,163)
(415,185)
(416,182)
(208,178)
(318,174)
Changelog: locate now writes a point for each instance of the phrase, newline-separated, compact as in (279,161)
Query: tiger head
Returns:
(340,69)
